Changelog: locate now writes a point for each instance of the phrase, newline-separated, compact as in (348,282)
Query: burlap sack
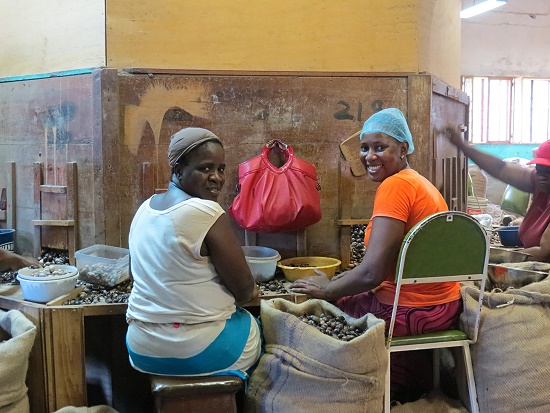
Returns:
(18,334)
(304,370)
(511,358)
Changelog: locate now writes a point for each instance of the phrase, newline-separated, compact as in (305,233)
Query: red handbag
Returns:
(271,199)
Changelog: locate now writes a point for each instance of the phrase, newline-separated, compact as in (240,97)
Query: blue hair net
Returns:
(392,122)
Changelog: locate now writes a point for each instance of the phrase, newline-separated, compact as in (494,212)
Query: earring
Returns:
(402,156)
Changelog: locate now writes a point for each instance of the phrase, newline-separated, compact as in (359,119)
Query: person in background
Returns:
(10,261)
(403,198)
(190,272)
(534,230)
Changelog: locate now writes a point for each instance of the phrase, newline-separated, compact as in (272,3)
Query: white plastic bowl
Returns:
(262,262)
(51,272)
(45,289)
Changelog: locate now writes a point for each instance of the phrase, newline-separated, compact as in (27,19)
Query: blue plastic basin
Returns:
(509,236)
(7,239)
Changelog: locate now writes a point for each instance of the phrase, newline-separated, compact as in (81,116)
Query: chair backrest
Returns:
(446,246)
(515,200)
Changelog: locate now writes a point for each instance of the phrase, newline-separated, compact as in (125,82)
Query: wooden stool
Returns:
(195,394)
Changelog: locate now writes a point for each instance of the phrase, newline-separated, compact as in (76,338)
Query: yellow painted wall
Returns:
(42,36)
(283,35)
(440,39)
(303,35)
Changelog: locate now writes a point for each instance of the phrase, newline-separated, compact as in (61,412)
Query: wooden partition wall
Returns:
(116,127)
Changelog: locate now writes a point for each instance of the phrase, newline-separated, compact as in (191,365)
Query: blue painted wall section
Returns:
(503,151)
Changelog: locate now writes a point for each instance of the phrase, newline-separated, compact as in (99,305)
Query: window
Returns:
(508,110)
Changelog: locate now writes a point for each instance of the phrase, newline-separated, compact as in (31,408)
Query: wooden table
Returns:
(57,375)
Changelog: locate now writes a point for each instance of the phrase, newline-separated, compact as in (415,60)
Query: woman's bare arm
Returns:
(542,252)
(12,261)
(507,172)
(229,261)
(380,258)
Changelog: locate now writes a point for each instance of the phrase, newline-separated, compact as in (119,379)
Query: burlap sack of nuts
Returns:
(17,335)
(510,360)
(305,370)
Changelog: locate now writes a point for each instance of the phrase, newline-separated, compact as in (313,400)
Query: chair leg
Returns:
(436,373)
(474,407)
(387,394)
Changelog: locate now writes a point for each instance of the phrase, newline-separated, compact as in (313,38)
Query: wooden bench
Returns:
(195,394)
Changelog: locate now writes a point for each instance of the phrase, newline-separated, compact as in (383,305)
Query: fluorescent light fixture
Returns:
(481,8)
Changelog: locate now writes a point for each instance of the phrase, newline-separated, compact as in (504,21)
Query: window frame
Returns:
(518,126)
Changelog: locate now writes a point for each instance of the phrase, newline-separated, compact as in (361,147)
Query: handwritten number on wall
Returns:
(344,114)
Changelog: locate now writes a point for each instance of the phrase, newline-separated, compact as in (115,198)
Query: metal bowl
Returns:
(500,255)
(503,277)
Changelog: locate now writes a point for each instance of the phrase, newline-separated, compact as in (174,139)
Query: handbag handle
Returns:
(276,142)
(287,151)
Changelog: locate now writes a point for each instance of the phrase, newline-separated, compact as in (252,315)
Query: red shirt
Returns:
(536,219)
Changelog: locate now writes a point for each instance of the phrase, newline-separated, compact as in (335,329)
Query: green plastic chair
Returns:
(447,246)
(514,200)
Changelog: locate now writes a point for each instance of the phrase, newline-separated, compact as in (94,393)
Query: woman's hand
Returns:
(13,262)
(454,134)
(314,286)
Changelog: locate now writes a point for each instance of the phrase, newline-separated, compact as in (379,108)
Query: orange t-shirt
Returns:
(409,197)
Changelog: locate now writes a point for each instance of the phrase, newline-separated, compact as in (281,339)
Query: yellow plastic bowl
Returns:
(302,267)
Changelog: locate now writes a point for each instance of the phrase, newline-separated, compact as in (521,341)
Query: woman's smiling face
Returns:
(382,155)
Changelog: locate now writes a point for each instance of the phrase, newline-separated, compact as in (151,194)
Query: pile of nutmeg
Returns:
(334,326)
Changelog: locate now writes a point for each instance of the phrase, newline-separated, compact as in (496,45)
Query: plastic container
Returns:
(103,265)
(7,239)
(41,289)
(262,262)
(509,236)
(302,267)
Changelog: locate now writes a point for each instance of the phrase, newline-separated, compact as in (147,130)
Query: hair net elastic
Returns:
(392,122)
(184,141)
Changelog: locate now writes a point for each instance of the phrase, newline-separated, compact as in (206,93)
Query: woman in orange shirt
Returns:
(403,198)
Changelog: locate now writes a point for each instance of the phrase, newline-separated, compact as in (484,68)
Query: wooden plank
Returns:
(148,180)
(56,189)
(11,193)
(278,73)
(60,300)
(342,222)
(107,143)
(37,199)
(301,243)
(104,309)
(442,88)
(419,102)
(65,357)
(345,245)
(72,210)
(54,222)
(250,238)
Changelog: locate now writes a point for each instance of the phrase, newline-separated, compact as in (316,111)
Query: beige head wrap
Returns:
(187,139)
